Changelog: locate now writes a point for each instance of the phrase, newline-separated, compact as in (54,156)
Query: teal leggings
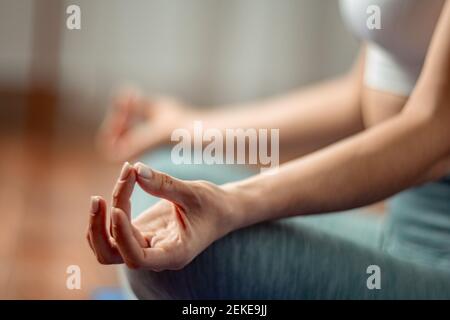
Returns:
(320,257)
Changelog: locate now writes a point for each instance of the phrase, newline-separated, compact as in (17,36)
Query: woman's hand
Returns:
(136,123)
(169,234)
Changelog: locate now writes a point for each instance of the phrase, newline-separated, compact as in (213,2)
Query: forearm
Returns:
(308,119)
(368,167)
(358,171)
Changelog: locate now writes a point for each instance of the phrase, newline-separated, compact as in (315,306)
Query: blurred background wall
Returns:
(208,52)
(55,85)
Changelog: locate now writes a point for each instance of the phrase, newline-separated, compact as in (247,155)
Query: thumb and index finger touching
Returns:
(120,136)
(130,242)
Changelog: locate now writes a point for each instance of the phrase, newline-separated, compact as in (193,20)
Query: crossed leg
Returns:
(323,257)
(287,259)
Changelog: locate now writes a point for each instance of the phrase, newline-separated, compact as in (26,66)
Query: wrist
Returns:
(245,204)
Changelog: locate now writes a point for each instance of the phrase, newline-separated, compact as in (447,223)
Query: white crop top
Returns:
(396,52)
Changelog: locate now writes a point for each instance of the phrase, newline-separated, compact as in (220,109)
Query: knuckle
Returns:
(202,186)
(201,182)
(164,181)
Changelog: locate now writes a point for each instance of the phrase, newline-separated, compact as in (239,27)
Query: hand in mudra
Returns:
(136,123)
(168,235)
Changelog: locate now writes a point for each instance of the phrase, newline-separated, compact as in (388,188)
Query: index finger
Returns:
(121,197)
(124,188)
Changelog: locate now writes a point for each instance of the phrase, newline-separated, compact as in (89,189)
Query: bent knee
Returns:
(214,273)
(151,285)
(197,280)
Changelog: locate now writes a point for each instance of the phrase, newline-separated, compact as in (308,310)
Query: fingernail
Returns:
(143,171)
(125,171)
(94,204)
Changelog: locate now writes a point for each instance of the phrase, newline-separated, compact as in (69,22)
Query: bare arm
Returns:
(368,167)
(309,119)
(362,169)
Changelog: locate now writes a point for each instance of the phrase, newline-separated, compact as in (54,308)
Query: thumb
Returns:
(162,185)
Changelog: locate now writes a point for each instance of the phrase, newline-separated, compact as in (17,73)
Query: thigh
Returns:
(286,260)
(323,256)
(359,226)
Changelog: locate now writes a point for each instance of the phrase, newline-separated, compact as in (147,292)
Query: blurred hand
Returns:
(135,124)
(169,234)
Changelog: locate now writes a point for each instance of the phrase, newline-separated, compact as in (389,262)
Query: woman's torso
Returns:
(418,227)
(396,34)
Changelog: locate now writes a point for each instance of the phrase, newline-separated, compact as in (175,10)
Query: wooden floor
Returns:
(44,200)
